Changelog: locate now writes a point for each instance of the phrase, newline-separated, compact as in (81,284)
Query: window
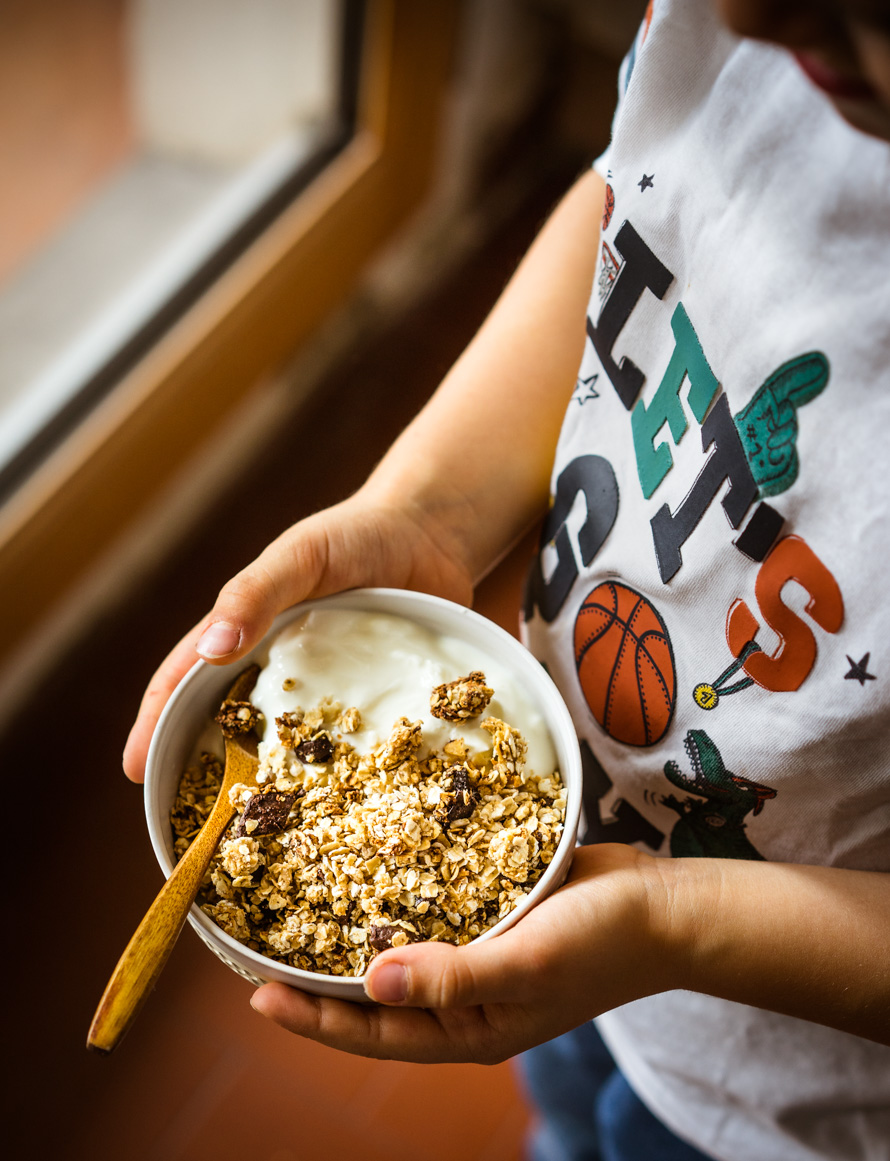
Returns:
(296,262)
(145,143)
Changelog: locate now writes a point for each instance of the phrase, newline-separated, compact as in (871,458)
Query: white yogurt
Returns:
(387,667)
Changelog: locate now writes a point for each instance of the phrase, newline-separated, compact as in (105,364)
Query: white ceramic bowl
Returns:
(198,695)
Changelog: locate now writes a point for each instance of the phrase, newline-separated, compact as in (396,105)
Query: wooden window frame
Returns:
(248,325)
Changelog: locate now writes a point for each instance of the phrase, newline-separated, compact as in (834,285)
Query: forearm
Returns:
(811,942)
(477,459)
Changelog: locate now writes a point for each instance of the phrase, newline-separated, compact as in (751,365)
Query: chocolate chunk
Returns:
(465,794)
(237,717)
(270,811)
(380,937)
(319,748)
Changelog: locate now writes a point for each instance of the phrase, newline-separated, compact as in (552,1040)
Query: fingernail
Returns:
(389,984)
(218,640)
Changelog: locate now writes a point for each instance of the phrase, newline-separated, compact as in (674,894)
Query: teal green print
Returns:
(688,359)
(768,425)
(712,825)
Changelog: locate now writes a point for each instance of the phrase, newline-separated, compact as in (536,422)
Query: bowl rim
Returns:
(382,600)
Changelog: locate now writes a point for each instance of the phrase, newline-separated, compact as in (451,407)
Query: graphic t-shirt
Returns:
(711,593)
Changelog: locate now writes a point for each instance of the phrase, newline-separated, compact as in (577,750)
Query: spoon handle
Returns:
(147,952)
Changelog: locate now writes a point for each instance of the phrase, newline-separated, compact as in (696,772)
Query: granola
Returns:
(237,717)
(342,854)
(464,698)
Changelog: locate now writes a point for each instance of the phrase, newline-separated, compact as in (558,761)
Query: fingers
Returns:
(293,568)
(286,572)
(576,954)
(411,1034)
(348,545)
(165,680)
(449,1004)
(439,975)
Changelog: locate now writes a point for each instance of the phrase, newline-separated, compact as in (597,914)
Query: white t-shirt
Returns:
(710,597)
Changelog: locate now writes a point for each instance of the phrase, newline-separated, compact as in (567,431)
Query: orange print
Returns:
(788,667)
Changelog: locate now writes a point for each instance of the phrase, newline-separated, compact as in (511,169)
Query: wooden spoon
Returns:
(147,952)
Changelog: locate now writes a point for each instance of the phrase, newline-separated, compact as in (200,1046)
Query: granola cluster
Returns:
(340,854)
(458,700)
(237,717)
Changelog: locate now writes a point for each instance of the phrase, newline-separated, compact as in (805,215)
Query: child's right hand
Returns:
(362,541)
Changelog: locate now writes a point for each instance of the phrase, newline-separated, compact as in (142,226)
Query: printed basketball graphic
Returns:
(625,664)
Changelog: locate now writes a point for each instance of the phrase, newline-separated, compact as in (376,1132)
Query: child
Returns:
(717,446)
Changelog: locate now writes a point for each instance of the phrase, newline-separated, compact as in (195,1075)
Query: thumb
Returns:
(286,572)
(439,975)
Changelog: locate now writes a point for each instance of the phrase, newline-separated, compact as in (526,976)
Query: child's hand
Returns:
(596,943)
(810,942)
(354,544)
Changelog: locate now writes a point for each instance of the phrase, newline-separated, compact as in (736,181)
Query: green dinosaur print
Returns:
(768,425)
(713,828)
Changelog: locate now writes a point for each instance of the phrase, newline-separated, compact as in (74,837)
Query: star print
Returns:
(859,670)
(584,389)
(646,182)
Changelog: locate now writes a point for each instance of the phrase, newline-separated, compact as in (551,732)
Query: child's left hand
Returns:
(807,941)
(589,947)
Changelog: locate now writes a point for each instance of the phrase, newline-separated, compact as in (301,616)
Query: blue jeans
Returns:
(587,1110)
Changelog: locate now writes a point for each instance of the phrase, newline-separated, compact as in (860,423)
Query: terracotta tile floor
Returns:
(201,1075)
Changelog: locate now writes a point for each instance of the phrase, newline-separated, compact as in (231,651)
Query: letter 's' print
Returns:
(788,666)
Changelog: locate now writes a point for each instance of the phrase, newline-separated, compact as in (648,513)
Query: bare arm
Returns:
(478,457)
(812,942)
